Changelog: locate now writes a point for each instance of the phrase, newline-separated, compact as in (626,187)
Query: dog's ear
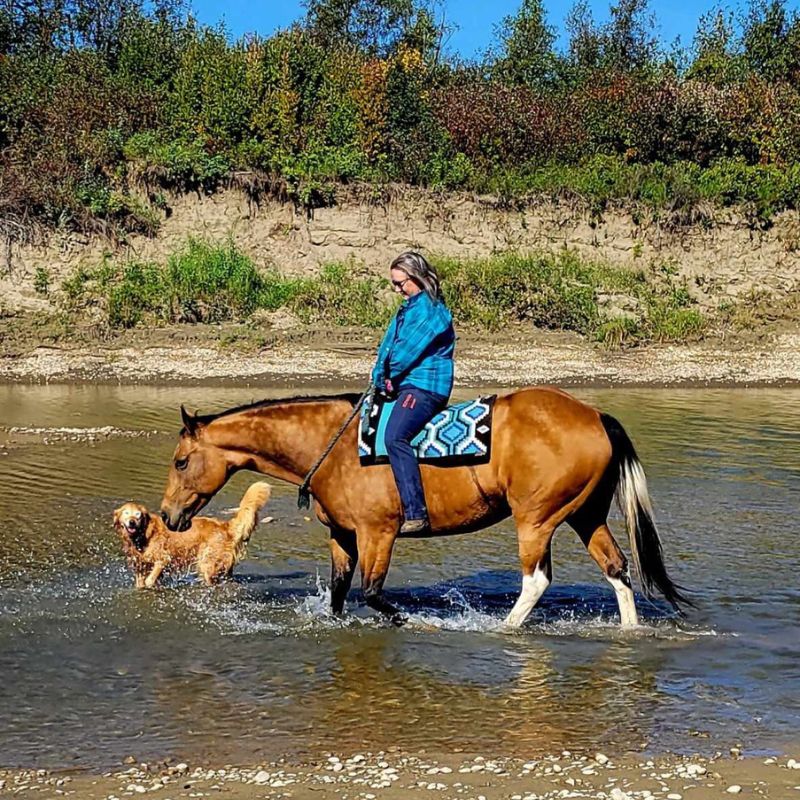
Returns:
(189,421)
(116,516)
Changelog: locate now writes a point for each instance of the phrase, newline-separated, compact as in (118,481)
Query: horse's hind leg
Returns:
(375,553)
(537,570)
(344,558)
(606,552)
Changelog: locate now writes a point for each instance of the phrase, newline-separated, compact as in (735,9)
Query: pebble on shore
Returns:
(547,778)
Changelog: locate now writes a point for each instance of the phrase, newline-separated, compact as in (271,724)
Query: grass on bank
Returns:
(681,191)
(212,283)
(217,283)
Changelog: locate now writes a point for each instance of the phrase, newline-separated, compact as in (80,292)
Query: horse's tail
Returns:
(633,499)
(244,522)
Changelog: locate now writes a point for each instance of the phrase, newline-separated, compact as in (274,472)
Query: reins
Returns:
(303,494)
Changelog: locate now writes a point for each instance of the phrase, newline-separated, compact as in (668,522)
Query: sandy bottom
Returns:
(369,776)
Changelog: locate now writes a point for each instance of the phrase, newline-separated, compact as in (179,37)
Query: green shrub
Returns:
(548,291)
(41,281)
(215,283)
(562,292)
(204,282)
(342,297)
(139,291)
(184,165)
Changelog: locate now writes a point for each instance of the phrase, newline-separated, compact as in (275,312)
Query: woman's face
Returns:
(402,284)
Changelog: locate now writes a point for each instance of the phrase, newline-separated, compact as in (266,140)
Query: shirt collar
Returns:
(409,300)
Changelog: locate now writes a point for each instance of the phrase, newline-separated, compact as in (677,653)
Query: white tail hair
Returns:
(633,497)
(634,502)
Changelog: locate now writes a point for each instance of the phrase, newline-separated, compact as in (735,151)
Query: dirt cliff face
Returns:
(724,258)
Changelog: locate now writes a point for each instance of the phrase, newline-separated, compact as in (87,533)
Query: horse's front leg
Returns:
(344,558)
(375,553)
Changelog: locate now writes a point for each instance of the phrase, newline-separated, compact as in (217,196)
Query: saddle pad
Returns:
(460,434)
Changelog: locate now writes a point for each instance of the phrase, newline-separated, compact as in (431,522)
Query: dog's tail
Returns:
(244,522)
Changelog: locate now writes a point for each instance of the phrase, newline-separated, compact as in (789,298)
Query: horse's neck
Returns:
(283,440)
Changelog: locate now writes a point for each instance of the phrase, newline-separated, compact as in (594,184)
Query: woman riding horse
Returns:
(554,459)
(415,368)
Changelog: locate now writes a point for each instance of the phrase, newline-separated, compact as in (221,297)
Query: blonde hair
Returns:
(418,269)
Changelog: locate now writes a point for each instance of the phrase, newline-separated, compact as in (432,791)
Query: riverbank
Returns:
(194,355)
(391,776)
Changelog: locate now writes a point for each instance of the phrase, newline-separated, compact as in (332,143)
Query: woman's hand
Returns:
(387,385)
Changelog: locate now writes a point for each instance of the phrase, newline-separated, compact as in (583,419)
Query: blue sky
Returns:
(475,19)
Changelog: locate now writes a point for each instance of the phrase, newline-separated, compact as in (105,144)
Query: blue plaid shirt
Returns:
(417,349)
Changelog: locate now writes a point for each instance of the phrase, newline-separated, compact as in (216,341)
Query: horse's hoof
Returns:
(423,627)
(508,628)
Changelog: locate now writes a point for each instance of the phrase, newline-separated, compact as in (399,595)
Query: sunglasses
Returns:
(400,284)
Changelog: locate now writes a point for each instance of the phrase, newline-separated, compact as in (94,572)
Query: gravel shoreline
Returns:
(370,776)
(494,363)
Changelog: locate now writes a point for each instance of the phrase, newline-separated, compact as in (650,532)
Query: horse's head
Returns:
(198,471)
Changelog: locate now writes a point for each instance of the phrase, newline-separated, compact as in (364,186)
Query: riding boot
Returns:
(415,527)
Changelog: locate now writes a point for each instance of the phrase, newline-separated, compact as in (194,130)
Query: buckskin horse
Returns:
(553,459)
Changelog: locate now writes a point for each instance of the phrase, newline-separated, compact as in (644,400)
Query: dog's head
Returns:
(132,520)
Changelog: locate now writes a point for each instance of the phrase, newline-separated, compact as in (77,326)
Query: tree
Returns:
(526,42)
(771,40)
(44,26)
(629,41)
(373,26)
(716,57)
(585,38)
(626,43)
(378,27)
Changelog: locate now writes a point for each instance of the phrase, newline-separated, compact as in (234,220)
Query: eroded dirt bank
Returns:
(722,256)
(721,261)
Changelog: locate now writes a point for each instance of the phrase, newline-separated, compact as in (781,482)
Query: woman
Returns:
(414,365)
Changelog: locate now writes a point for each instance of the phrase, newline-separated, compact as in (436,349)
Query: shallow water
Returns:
(93,671)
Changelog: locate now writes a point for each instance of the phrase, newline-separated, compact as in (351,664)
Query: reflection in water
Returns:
(256,669)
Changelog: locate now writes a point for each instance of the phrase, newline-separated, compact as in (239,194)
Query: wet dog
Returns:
(211,546)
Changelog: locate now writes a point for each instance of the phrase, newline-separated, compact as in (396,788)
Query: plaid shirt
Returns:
(417,349)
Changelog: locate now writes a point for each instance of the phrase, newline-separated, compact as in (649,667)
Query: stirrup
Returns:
(415,526)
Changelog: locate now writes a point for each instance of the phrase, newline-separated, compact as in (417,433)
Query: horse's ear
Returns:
(189,421)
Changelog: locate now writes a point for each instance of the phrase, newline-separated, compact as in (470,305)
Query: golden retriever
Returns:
(212,546)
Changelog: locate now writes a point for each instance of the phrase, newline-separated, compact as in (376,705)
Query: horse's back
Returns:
(548,431)
(556,409)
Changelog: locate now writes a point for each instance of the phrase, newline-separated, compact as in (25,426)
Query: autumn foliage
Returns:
(104,98)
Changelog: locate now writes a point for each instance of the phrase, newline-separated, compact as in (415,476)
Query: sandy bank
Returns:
(504,362)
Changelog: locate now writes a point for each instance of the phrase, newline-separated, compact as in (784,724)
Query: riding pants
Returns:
(412,411)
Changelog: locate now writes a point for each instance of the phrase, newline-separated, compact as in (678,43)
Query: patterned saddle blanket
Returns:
(460,434)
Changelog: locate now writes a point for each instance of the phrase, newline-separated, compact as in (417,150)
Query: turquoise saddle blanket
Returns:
(460,434)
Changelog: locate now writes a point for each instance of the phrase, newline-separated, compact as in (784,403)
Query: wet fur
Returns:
(211,546)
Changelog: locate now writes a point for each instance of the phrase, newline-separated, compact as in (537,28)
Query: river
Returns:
(94,671)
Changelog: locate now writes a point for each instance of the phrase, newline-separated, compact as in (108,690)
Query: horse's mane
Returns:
(349,397)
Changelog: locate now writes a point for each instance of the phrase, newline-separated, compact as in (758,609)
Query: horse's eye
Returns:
(181,463)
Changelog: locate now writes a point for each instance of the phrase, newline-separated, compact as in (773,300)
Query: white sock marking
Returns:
(627,606)
(533,587)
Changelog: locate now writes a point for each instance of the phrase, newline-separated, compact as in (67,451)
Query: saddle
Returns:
(458,435)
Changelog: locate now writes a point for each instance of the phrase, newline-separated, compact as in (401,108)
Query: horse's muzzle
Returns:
(182,523)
